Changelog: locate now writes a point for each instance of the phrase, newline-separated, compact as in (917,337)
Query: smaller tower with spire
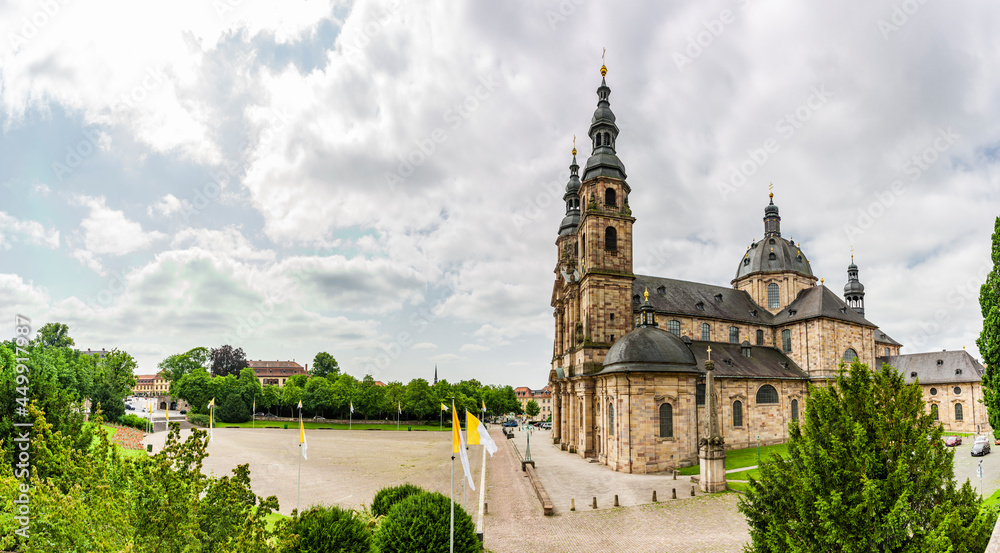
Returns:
(435,374)
(772,221)
(854,291)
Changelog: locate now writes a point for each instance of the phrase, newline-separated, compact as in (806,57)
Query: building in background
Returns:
(276,373)
(542,397)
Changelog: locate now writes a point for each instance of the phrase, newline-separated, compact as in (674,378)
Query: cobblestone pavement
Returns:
(707,523)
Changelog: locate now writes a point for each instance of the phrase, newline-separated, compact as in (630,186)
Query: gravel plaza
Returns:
(346,468)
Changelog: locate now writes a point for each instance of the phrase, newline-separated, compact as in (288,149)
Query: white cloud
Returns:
(446,358)
(168,205)
(31,232)
(473,347)
(108,231)
(89,260)
(229,240)
(41,189)
(424,346)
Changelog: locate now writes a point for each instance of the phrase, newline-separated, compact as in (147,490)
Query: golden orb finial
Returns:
(574,144)
(604,68)
(821,281)
(647,294)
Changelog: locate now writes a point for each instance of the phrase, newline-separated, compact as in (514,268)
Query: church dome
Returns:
(853,286)
(774,254)
(649,349)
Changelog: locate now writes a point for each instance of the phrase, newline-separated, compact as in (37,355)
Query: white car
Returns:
(981,439)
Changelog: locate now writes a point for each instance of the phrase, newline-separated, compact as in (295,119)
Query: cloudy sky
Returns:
(382,180)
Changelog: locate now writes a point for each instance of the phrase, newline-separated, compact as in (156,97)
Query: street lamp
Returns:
(527,449)
(758,450)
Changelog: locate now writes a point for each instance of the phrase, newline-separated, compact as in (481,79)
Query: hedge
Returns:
(420,524)
(387,497)
(327,529)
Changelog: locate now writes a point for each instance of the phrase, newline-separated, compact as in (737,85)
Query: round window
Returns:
(957,390)
(933,391)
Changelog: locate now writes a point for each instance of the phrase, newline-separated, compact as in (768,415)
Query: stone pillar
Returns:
(556,413)
(712,450)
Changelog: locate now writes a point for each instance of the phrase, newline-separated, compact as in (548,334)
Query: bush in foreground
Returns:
(420,523)
(200,420)
(133,421)
(387,497)
(327,530)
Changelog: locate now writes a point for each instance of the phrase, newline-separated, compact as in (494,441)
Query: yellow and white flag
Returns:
(458,446)
(444,407)
(484,406)
(478,434)
(399,407)
(211,418)
(352,407)
(302,438)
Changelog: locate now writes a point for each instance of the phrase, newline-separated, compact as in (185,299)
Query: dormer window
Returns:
(746,260)
(843,309)
(771,256)
(958,371)
(771,241)
(700,305)
(792,312)
(940,362)
(753,313)
(636,298)
(913,374)
(661,290)
(718,297)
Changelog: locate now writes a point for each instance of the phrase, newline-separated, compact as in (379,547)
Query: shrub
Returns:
(133,421)
(196,419)
(387,497)
(233,409)
(420,523)
(327,529)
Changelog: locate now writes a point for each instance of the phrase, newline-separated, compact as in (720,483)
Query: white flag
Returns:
(302,438)
(478,434)
(458,446)
(352,407)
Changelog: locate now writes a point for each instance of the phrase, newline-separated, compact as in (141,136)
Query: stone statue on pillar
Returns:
(711,448)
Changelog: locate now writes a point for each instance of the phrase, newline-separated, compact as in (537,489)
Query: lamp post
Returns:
(758,450)
(527,449)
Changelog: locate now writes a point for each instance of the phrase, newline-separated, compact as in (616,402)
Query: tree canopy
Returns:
(989,338)
(228,360)
(324,365)
(55,335)
(866,471)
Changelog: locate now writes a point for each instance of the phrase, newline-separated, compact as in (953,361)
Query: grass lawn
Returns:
(273,519)
(737,486)
(310,424)
(992,500)
(739,458)
(111,431)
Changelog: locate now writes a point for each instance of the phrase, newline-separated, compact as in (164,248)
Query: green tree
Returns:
(174,368)
(196,389)
(989,338)
(271,398)
(392,399)
(532,409)
(324,364)
(55,335)
(421,400)
(115,380)
(291,395)
(866,471)
(317,398)
(228,360)
(343,392)
(369,397)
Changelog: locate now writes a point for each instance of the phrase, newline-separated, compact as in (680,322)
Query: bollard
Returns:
(692,491)
(616,500)
(486,508)
(673,494)
(595,502)
(654,496)
(572,504)
(675,475)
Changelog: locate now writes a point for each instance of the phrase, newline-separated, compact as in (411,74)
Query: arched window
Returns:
(706,332)
(934,411)
(737,413)
(795,409)
(887,352)
(772,296)
(609,197)
(786,340)
(666,421)
(734,335)
(611,239)
(958,411)
(674,327)
(699,394)
(760,337)
(611,419)
(767,394)
(850,355)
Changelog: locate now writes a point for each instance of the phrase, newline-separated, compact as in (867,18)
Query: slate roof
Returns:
(925,367)
(787,257)
(764,362)
(649,349)
(819,301)
(883,338)
(270,368)
(681,297)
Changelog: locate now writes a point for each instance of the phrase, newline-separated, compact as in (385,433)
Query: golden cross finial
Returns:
(604,68)
(574,144)
(771,189)
(852,253)
(647,294)
(709,353)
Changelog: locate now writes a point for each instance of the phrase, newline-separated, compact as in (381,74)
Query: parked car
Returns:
(129,407)
(258,415)
(183,411)
(952,441)
(547,425)
(319,418)
(980,448)
(510,424)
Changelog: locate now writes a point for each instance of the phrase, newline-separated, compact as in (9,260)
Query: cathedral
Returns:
(627,376)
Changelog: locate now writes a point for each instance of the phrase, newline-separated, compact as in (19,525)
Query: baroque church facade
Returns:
(627,374)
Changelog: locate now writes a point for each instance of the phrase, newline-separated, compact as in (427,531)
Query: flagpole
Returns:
(464,496)
(482,492)
(452,521)
(299,492)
